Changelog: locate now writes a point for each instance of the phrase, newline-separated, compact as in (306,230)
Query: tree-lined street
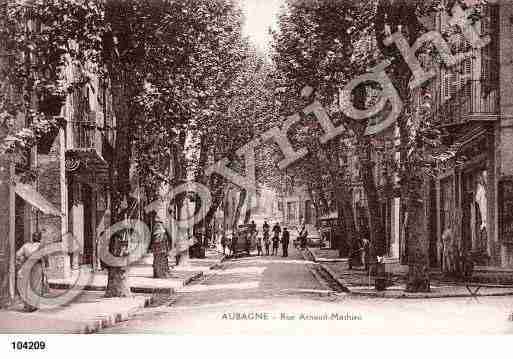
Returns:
(294,301)
(142,140)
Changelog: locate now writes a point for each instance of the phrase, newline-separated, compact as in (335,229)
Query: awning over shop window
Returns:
(463,142)
(35,199)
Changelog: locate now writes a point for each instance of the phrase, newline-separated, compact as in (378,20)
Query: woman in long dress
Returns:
(160,248)
(37,278)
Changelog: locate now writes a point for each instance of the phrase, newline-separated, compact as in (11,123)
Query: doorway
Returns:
(475,215)
(81,219)
(87,201)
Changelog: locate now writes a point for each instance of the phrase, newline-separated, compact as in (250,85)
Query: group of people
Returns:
(275,240)
(263,241)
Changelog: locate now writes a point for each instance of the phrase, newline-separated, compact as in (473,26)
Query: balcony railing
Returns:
(477,100)
(84,135)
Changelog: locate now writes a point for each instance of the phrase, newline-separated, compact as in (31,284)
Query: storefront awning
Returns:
(35,199)
(464,140)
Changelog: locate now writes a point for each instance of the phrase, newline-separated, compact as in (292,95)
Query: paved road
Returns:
(275,295)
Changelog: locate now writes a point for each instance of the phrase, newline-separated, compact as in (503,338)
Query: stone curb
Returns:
(404,295)
(103,321)
(325,260)
(133,289)
(400,294)
(319,278)
(326,270)
(334,277)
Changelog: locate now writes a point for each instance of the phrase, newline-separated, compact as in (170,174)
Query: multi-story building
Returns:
(472,106)
(70,193)
(88,143)
(475,109)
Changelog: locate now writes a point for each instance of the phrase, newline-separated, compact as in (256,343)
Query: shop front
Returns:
(466,205)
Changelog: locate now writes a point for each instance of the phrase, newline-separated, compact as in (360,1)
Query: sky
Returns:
(260,15)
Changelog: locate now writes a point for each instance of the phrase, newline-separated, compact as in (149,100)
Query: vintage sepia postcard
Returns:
(255,167)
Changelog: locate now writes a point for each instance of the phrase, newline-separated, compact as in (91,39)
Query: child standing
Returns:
(259,245)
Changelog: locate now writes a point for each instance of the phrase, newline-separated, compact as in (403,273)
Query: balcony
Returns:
(84,135)
(85,151)
(477,100)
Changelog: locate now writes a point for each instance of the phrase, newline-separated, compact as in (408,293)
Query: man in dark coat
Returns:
(277,229)
(276,238)
(285,239)
(266,227)
(267,240)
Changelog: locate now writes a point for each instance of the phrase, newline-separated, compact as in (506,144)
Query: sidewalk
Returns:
(326,255)
(141,276)
(91,312)
(87,314)
(358,282)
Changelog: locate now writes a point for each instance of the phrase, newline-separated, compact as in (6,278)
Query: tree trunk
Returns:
(207,221)
(376,231)
(345,207)
(236,216)
(117,283)
(343,198)
(247,215)
(417,235)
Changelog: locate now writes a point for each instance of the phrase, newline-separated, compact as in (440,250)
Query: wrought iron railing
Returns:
(84,134)
(476,100)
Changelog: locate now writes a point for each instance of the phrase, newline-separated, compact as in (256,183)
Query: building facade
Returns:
(474,109)
(298,208)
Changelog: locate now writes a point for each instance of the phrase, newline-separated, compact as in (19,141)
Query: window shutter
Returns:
(453,83)
(446,79)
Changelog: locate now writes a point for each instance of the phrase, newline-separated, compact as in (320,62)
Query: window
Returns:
(490,53)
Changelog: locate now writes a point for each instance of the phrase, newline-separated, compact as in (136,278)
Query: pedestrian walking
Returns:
(276,241)
(285,239)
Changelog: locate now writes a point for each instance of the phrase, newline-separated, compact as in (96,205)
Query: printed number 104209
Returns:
(28,345)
